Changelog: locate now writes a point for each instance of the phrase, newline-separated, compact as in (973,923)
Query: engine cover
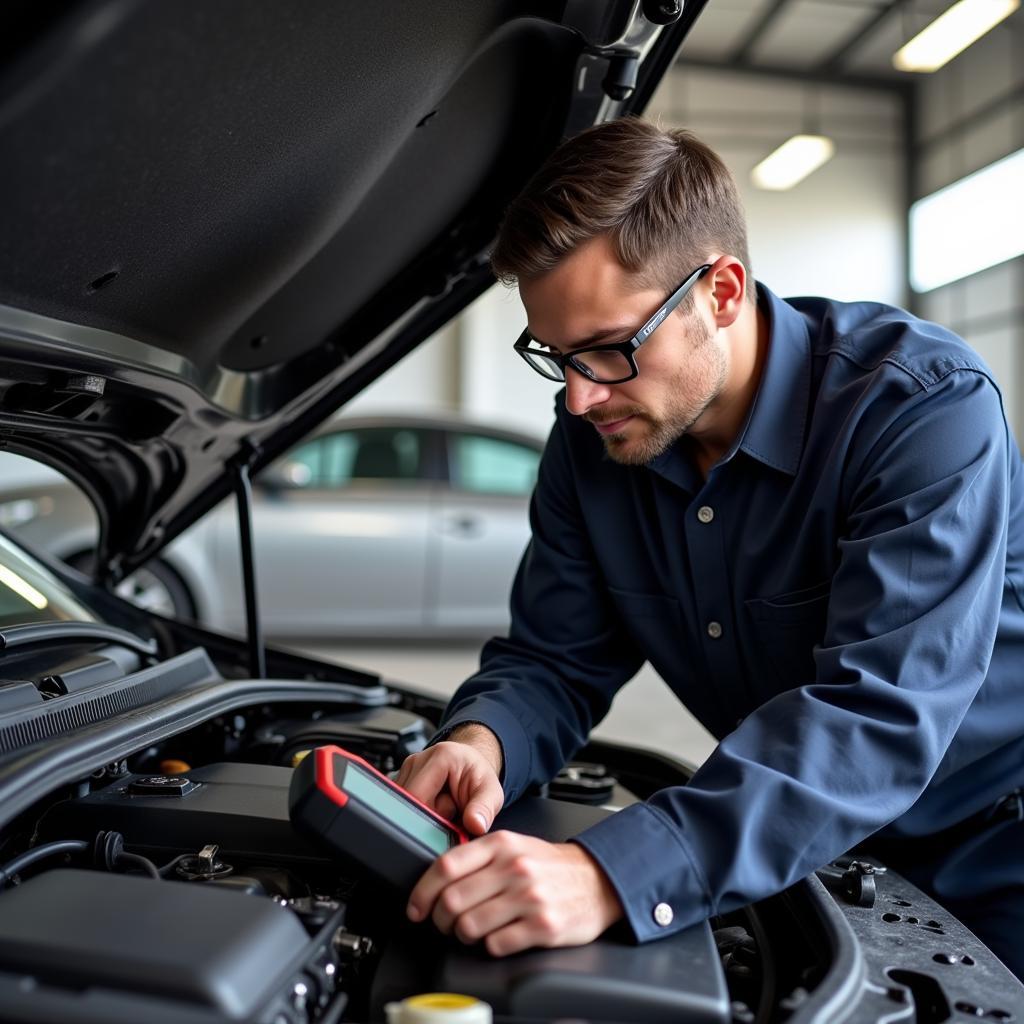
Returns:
(89,945)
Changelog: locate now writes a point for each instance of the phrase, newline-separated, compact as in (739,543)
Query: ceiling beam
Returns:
(896,84)
(741,54)
(834,61)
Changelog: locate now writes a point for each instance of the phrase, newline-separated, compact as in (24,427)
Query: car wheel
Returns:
(154,587)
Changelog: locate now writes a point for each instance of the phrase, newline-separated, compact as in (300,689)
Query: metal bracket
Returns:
(855,883)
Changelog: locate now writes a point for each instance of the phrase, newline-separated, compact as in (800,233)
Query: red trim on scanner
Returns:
(326,784)
(325,774)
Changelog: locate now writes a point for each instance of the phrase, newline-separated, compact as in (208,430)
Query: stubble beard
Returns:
(662,432)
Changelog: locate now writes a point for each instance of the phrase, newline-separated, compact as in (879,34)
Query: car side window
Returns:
(491,465)
(303,466)
(381,453)
(373,453)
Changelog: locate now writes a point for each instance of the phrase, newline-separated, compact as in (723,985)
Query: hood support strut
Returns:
(254,630)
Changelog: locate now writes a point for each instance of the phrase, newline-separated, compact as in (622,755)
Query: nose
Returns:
(582,393)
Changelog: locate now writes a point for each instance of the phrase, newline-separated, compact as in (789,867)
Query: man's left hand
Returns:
(515,892)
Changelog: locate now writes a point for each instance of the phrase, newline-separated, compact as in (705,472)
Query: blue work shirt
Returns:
(839,603)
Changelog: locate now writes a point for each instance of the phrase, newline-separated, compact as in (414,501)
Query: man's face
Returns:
(590,299)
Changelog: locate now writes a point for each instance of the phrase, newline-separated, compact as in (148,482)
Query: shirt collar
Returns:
(774,432)
(774,429)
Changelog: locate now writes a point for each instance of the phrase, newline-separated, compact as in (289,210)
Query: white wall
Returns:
(838,233)
(469,368)
(970,114)
(424,381)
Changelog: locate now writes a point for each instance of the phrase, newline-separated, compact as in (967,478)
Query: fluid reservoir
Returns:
(439,1008)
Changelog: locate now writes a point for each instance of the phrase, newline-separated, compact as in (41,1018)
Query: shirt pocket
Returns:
(787,628)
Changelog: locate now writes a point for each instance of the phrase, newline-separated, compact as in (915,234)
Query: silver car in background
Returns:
(376,526)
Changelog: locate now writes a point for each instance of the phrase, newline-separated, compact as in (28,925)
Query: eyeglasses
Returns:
(605,364)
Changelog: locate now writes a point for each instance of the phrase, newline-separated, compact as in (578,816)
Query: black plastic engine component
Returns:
(677,980)
(383,736)
(943,967)
(583,783)
(120,948)
(243,808)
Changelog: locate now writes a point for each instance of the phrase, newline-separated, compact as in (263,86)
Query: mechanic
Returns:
(806,514)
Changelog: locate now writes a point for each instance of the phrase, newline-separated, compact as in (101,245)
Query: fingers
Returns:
(463,879)
(516,892)
(515,937)
(481,800)
(445,806)
(470,903)
(410,767)
(452,777)
(448,868)
(424,775)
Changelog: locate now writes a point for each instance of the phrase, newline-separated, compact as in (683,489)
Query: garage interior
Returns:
(751,74)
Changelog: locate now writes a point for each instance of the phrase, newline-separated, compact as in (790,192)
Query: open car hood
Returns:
(220,221)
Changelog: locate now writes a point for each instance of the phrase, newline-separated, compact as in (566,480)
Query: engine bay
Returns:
(149,871)
(171,886)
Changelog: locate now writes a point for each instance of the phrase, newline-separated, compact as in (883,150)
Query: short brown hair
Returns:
(664,197)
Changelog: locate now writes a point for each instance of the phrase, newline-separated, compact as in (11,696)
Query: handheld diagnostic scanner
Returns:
(352,808)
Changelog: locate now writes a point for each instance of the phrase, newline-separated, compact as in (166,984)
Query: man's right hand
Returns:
(459,775)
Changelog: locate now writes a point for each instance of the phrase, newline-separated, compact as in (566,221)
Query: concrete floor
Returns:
(644,714)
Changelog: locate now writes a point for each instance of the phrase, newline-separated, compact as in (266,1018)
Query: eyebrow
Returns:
(595,339)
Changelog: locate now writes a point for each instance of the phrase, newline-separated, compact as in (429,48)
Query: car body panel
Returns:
(353,557)
(351,566)
(481,540)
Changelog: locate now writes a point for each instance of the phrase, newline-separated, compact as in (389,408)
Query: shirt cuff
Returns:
(651,868)
(516,750)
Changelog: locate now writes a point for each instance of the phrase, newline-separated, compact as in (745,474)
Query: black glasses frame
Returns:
(626,348)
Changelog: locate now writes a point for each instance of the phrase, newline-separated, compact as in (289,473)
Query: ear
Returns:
(727,280)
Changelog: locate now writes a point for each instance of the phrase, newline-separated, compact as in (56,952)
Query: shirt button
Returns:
(714,630)
(663,915)
(705,513)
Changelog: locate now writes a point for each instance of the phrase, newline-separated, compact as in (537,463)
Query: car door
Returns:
(483,527)
(341,535)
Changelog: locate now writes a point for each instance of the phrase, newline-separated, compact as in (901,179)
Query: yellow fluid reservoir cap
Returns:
(298,757)
(439,1008)
(173,766)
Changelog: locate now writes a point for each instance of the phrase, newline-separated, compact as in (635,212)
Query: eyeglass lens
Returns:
(544,365)
(605,366)
(600,366)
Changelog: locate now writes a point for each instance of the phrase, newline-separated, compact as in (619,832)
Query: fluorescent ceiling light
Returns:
(22,588)
(972,224)
(792,162)
(964,23)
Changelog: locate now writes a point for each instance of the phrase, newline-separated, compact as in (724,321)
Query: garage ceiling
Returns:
(845,39)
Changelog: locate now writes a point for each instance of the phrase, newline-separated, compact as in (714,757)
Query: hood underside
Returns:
(221,220)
